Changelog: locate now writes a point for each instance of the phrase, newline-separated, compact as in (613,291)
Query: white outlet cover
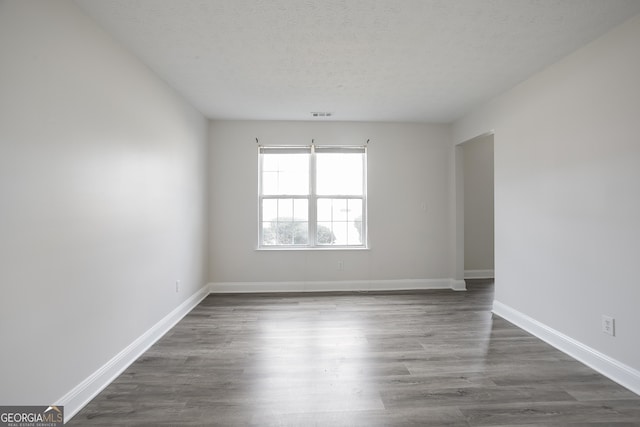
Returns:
(609,325)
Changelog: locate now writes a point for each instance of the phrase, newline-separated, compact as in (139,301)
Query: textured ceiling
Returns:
(371,60)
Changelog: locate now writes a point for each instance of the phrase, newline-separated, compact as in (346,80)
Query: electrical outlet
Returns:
(340,265)
(609,325)
(177,285)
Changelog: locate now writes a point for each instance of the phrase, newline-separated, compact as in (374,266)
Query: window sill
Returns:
(331,248)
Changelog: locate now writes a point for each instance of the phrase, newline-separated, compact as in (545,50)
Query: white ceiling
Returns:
(370,60)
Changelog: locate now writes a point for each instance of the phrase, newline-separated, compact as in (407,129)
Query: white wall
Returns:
(102,186)
(478,205)
(567,193)
(408,166)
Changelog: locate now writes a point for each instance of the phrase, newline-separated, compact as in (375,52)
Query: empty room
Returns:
(319,212)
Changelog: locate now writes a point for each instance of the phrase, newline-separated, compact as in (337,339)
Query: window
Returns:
(312,197)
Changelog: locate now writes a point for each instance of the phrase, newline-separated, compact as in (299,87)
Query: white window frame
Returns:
(313,198)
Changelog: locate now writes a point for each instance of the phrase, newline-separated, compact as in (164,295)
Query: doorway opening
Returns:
(475,207)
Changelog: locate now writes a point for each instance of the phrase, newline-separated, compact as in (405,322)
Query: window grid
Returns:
(316,233)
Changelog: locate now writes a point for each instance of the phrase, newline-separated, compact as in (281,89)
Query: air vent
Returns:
(320,114)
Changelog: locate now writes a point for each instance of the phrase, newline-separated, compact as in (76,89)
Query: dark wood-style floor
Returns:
(425,358)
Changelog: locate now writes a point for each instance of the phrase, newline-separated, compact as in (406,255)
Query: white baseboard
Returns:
(478,274)
(84,392)
(617,371)
(78,397)
(331,286)
(458,285)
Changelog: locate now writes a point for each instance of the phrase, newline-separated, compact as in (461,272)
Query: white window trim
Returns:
(312,198)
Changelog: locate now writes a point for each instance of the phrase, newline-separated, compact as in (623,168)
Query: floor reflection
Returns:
(311,360)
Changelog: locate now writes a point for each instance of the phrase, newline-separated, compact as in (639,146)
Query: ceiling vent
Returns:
(320,114)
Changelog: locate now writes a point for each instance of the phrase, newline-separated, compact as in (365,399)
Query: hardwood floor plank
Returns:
(561,412)
(410,358)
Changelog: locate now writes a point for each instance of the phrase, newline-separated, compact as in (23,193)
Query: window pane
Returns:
(285,174)
(355,222)
(301,209)
(301,233)
(284,233)
(285,221)
(339,221)
(339,209)
(325,234)
(269,209)
(268,234)
(285,209)
(340,231)
(354,231)
(324,210)
(339,173)
(355,209)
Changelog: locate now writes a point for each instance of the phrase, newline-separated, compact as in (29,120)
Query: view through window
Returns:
(312,196)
